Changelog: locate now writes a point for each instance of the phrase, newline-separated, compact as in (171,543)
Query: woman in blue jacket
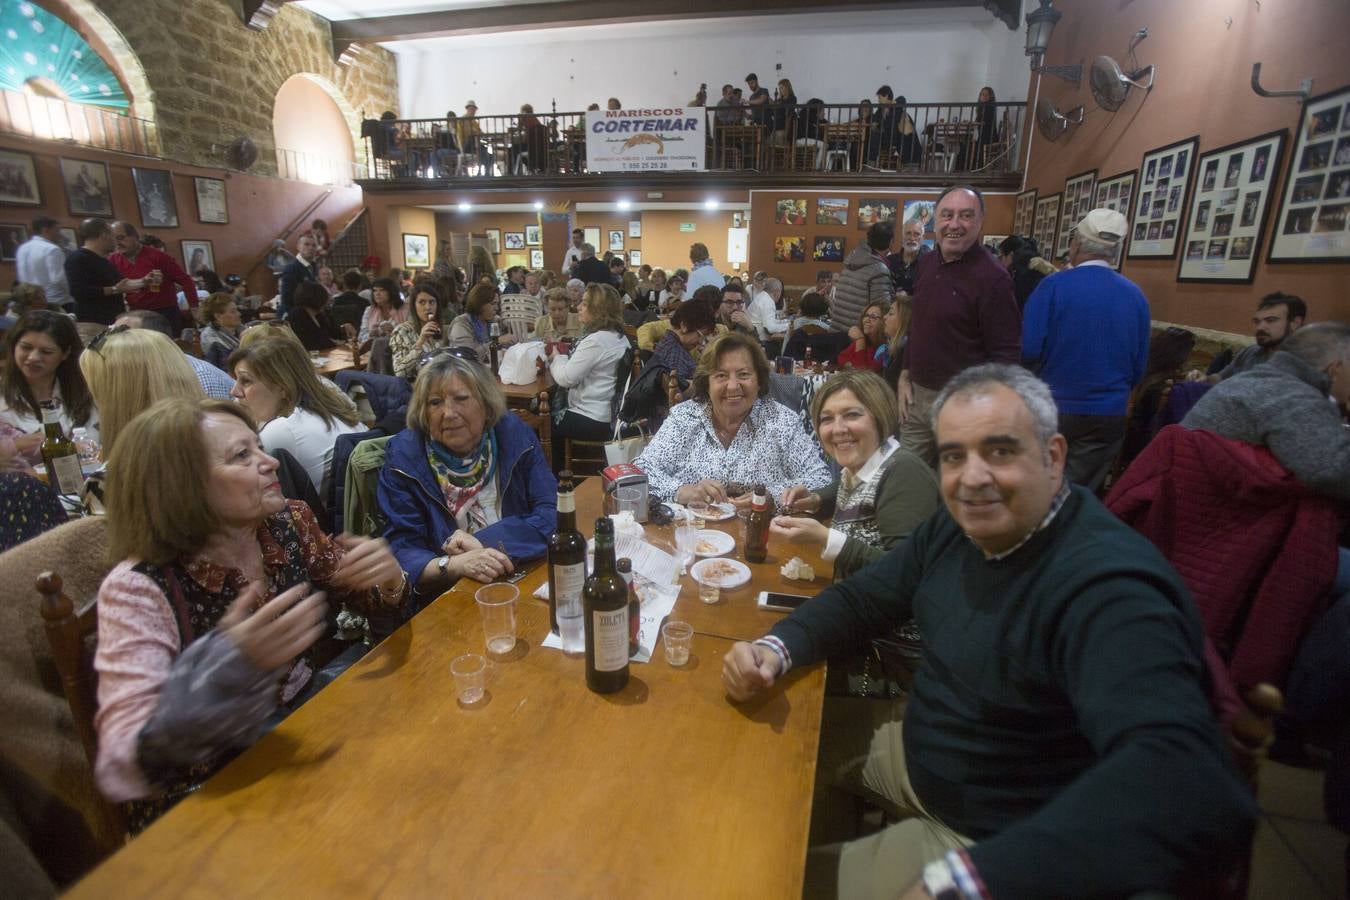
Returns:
(465,487)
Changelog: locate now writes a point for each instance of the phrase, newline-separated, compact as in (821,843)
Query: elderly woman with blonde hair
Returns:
(592,372)
(211,621)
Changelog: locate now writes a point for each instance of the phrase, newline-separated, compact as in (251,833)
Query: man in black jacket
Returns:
(95,283)
(1057,740)
(592,270)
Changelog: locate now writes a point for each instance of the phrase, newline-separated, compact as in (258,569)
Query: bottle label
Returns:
(611,639)
(567,502)
(51,415)
(568,581)
(64,472)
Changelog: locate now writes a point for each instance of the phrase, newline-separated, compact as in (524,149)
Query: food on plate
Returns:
(718,570)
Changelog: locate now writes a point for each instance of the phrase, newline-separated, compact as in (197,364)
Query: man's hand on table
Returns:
(748,669)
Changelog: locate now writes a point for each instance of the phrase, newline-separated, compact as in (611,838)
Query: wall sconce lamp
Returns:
(1040,25)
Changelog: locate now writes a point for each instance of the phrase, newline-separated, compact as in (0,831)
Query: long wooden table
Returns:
(336,359)
(383,786)
(518,396)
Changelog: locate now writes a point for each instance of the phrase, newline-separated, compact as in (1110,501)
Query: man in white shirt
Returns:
(573,254)
(764,314)
(41,261)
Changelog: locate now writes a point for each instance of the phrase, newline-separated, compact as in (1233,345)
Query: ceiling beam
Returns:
(572,13)
(258,14)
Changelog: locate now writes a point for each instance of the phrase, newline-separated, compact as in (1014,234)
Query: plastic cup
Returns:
(628,500)
(470,671)
(676,638)
(497,606)
(709,590)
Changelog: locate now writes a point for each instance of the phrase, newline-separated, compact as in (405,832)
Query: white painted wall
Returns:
(926,55)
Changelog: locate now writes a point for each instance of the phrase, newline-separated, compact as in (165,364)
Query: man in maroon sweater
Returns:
(137,261)
(964,314)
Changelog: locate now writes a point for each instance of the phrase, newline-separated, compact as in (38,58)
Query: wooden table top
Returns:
(383,785)
(522,394)
(338,359)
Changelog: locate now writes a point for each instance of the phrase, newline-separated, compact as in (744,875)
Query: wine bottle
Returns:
(625,567)
(606,603)
(59,453)
(494,345)
(566,557)
(757,526)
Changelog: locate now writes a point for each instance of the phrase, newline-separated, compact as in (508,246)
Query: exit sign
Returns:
(686,226)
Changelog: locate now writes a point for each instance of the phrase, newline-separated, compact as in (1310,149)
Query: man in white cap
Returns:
(1085,332)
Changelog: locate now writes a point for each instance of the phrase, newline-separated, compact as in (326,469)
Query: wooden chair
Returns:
(594,457)
(542,423)
(74,639)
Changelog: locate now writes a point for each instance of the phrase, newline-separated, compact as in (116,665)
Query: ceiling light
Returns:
(538,205)
(465,206)
(710,204)
(625,204)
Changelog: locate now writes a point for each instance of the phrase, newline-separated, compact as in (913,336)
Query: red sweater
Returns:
(1256,548)
(852,357)
(175,279)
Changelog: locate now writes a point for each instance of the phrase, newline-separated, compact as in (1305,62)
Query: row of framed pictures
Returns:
(89,191)
(835,211)
(532,237)
(197,254)
(1215,205)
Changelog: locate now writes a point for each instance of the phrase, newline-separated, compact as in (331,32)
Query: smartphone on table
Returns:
(781,602)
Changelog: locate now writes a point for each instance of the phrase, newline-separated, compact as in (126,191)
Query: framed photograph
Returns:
(536,259)
(616,240)
(991,241)
(494,238)
(514,240)
(875,209)
(593,238)
(154,195)
(920,211)
(532,236)
(1312,222)
(11,236)
(1077,203)
(828,248)
(1231,214)
(18,179)
(87,190)
(831,210)
(70,240)
(1117,192)
(790,212)
(789,249)
(198,255)
(634,258)
(1045,222)
(416,251)
(1024,213)
(211,206)
(635,228)
(1168,174)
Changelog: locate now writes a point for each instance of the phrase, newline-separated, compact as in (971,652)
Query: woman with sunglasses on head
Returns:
(41,364)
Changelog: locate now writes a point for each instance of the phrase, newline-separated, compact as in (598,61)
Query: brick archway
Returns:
(349,113)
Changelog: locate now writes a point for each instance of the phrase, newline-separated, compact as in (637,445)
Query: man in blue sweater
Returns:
(1085,332)
(1057,740)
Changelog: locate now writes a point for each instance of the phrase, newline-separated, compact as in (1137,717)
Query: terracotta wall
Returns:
(1203,88)
(259,207)
(766,231)
(409,220)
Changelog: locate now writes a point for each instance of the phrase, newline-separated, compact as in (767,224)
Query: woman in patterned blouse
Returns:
(730,434)
(212,622)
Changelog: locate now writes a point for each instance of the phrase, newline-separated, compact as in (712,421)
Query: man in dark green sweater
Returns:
(1057,741)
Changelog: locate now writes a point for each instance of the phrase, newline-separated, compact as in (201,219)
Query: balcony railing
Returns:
(53,119)
(951,140)
(315,169)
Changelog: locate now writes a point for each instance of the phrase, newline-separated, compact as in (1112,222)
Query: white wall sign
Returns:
(671,139)
(738,244)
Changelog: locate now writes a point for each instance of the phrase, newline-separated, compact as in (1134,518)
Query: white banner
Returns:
(672,139)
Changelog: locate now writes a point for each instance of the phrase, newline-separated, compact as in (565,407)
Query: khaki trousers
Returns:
(862,753)
(916,432)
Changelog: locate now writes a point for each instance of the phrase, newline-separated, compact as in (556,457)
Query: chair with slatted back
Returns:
(541,421)
(73,638)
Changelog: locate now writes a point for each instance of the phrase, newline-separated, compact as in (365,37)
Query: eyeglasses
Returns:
(871,317)
(96,344)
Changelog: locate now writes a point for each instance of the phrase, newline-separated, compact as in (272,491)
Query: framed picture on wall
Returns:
(992,241)
(635,228)
(1077,203)
(1228,218)
(198,255)
(875,209)
(790,211)
(592,237)
(154,195)
(831,211)
(1045,222)
(70,241)
(88,192)
(536,259)
(494,238)
(828,248)
(1024,213)
(18,179)
(514,240)
(1116,193)
(789,249)
(1315,209)
(616,240)
(532,236)
(1163,188)
(416,251)
(12,235)
(211,206)
(635,258)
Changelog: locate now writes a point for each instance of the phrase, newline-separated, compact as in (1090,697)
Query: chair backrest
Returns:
(541,421)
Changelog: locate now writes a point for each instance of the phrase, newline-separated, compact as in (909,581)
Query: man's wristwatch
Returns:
(441,565)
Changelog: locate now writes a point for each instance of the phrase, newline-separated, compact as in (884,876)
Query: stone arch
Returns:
(349,113)
(107,40)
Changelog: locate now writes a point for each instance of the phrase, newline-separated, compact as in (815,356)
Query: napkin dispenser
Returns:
(625,475)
